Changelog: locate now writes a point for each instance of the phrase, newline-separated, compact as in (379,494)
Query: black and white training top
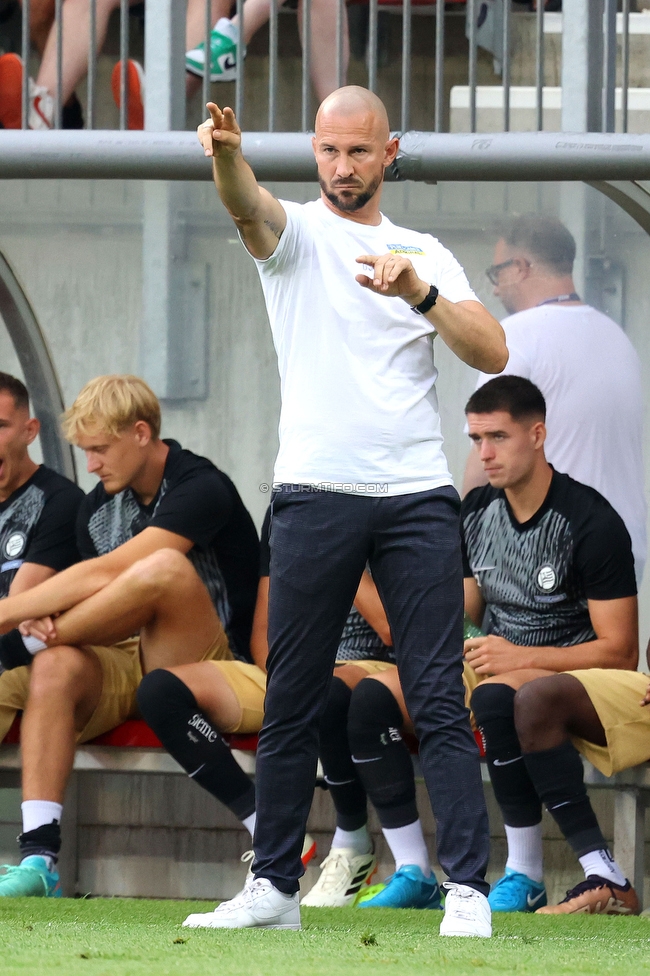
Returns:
(200,503)
(37,525)
(537,576)
(359,642)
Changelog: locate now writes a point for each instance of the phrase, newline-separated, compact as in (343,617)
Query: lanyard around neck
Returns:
(573,297)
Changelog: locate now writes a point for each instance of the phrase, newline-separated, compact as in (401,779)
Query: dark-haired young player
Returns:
(170,555)
(551,562)
(38,507)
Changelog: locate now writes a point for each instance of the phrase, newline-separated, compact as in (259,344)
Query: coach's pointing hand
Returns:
(220,133)
(394,276)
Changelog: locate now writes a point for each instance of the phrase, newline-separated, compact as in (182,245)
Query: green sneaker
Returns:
(29,878)
(223,53)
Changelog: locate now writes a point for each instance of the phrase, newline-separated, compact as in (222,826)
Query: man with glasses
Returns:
(581,360)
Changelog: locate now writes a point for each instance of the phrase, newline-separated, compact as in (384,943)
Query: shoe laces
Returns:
(247,856)
(330,868)
(590,884)
(470,899)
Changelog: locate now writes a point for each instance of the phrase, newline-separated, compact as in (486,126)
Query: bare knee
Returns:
(59,672)
(160,571)
(540,712)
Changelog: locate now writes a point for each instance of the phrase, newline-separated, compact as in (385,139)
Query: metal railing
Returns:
(605,23)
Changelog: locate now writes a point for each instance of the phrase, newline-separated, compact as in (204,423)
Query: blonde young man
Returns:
(170,557)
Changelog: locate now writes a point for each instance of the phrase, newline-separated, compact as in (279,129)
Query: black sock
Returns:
(13,653)
(44,840)
(347,792)
(559,779)
(493,707)
(170,708)
(380,755)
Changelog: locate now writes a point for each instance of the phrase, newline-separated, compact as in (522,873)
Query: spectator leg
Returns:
(324,75)
(417,567)
(319,547)
(76,26)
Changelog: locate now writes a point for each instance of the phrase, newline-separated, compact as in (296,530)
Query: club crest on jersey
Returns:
(409,249)
(547,578)
(15,545)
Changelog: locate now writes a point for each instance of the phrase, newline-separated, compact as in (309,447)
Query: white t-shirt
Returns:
(590,376)
(359,404)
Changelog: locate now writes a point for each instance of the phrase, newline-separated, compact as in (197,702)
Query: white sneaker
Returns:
(41,107)
(467,912)
(343,874)
(258,905)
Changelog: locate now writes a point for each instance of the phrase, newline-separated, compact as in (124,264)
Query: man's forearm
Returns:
(472,334)
(600,653)
(236,185)
(62,591)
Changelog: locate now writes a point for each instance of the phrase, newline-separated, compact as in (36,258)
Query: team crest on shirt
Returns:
(15,545)
(409,249)
(547,578)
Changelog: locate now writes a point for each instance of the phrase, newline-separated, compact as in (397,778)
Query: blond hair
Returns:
(111,404)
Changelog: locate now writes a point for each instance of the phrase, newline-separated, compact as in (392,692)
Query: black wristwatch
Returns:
(426,303)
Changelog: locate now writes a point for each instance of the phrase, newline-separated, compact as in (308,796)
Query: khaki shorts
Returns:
(616,696)
(248,682)
(121,676)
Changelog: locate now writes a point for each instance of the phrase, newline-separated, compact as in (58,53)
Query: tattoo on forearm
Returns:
(273,227)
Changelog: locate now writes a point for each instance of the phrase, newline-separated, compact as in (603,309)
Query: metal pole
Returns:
(273,63)
(239,75)
(164,55)
(505,65)
(609,68)
(373,35)
(207,53)
(406,65)
(473,56)
(539,65)
(582,65)
(58,105)
(92,63)
(625,62)
(306,64)
(440,66)
(339,42)
(288,156)
(24,50)
(124,57)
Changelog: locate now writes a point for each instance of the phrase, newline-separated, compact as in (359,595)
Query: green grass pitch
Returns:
(124,937)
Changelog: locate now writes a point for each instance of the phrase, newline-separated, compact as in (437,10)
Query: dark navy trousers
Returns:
(320,543)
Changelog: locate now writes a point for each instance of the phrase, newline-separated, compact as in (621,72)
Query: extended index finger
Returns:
(215,114)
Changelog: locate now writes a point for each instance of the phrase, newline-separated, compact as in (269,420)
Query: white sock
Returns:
(37,813)
(227,28)
(358,840)
(249,823)
(408,846)
(525,851)
(33,644)
(603,864)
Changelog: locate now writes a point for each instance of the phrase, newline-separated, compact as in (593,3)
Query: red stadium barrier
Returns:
(136,734)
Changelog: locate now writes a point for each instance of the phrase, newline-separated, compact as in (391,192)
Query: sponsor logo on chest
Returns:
(410,250)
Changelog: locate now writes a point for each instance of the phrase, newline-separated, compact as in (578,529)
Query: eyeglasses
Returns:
(495,270)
